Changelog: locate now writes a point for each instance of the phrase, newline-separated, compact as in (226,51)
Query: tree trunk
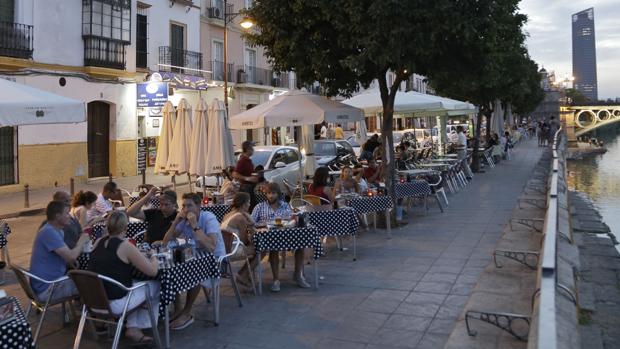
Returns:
(475,158)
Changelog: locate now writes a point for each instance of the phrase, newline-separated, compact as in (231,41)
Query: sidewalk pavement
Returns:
(404,292)
(12,204)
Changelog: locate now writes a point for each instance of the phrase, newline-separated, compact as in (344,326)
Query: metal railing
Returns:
(16,40)
(281,80)
(217,70)
(216,10)
(180,61)
(248,74)
(106,53)
(547,274)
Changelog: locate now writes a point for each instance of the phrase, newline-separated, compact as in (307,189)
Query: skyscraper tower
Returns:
(584,54)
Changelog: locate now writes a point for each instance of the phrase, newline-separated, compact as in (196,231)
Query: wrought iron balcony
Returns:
(281,80)
(180,61)
(216,10)
(16,40)
(247,74)
(103,52)
(217,71)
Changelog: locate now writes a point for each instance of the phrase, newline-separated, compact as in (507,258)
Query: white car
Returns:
(280,162)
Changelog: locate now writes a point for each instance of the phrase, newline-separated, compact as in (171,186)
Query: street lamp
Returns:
(246,23)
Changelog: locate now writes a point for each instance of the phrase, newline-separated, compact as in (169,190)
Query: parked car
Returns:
(328,152)
(280,162)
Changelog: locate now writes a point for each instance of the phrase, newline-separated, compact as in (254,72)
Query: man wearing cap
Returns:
(244,171)
(158,219)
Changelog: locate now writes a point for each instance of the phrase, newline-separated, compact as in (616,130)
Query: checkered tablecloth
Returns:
(367,204)
(218,210)
(154,202)
(418,189)
(184,276)
(338,222)
(16,333)
(133,228)
(5,230)
(288,239)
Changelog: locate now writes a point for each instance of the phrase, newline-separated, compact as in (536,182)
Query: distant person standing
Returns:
(369,147)
(461,150)
(323,134)
(554,126)
(339,132)
(244,171)
(330,132)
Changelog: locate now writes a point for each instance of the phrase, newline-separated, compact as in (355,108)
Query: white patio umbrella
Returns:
(178,158)
(295,108)
(370,102)
(307,143)
(361,133)
(509,117)
(199,141)
(221,153)
(165,138)
(497,119)
(24,105)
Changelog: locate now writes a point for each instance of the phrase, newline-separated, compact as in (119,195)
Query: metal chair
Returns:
(232,244)
(297,203)
(23,277)
(316,200)
(437,188)
(95,300)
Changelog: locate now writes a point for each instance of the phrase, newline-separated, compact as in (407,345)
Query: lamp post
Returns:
(246,23)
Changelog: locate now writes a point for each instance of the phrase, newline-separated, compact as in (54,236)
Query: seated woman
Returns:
(346,183)
(319,187)
(358,176)
(115,257)
(238,220)
(81,204)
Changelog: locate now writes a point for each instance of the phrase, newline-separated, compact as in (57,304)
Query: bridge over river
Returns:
(582,119)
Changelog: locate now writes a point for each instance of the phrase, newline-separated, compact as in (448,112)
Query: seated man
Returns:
(373,173)
(103,204)
(267,211)
(203,228)
(73,230)
(50,254)
(158,219)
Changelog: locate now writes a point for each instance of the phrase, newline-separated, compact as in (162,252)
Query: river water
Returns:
(599,176)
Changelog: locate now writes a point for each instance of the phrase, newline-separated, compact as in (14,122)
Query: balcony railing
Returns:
(247,74)
(216,10)
(281,80)
(106,53)
(180,61)
(217,71)
(15,40)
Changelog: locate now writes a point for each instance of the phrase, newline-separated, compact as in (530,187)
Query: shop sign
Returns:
(152,94)
(141,154)
(186,82)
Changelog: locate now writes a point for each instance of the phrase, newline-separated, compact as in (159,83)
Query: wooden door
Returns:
(98,139)
(7,155)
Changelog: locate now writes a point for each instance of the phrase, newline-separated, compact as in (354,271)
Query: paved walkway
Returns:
(404,292)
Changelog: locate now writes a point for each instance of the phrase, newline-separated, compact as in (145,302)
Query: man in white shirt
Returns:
(324,130)
(103,204)
(461,147)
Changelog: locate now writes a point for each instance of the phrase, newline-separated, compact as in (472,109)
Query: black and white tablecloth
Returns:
(367,204)
(17,333)
(133,228)
(288,239)
(184,276)
(218,210)
(342,221)
(418,189)
(5,230)
(154,202)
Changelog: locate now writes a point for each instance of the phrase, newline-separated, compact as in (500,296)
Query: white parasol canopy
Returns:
(165,138)
(178,159)
(361,133)
(221,152)
(295,108)
(25,105)
(497,119)
(199,141)
(307,143)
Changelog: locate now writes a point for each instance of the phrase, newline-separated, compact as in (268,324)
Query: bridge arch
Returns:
(585,118)
(603,115)
(616,113)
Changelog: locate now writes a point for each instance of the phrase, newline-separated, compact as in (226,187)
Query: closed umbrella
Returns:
(165,139)
(199,141)
(221,152)
(361,133)
(178,159)
(509,117)
(307,143)
(497,119)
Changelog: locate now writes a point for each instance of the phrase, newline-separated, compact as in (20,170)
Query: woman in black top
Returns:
(115,257)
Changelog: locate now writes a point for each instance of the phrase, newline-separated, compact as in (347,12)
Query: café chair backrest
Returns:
(24,281)
(316,200)
(91,290)
(228,238)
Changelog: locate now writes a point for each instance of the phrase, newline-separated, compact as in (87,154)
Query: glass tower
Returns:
(584,54)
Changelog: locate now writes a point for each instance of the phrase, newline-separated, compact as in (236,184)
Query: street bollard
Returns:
(26,196)
(143,177)
(72,186)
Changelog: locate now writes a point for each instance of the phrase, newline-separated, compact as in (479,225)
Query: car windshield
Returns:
(261,157)
(324,149)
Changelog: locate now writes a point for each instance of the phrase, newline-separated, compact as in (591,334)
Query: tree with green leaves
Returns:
(576,97)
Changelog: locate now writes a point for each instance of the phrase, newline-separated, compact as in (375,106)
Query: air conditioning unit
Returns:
(214,12)
(242,77)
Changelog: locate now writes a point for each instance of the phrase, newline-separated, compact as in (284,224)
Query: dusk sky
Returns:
(550,45)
